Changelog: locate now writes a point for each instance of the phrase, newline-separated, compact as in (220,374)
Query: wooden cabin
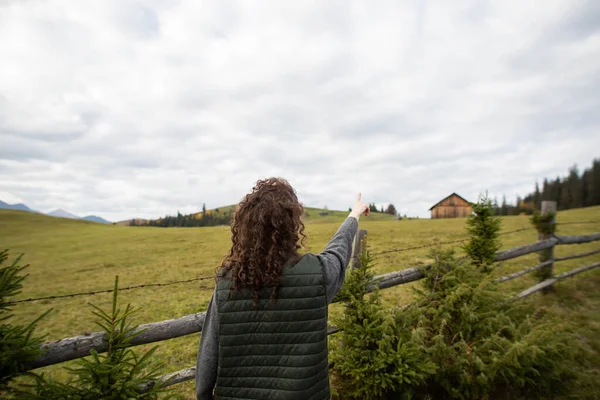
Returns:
(453,206)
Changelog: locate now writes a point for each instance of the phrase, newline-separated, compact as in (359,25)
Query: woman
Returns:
(265,333)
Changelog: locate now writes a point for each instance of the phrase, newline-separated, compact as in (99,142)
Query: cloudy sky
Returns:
(141,108)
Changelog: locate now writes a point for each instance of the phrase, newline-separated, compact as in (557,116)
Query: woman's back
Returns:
(278,351)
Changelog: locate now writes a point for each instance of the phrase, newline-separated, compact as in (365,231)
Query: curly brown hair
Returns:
(267,232)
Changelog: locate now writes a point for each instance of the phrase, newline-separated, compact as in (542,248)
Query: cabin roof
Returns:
(446,198)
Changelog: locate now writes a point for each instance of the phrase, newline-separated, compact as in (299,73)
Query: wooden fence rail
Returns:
(523,272)
(577,255)
(551,281)
(526,249)
(578,239)
(81,345)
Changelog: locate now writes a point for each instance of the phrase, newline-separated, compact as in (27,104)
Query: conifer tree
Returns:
(120,373)
(483,228)
(391,210)
(368,359)
(482,345)
(18,343)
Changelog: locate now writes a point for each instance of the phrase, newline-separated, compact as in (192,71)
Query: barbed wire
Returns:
(440,243)
(144,285)
(577,222)
(465,239)
(202,278)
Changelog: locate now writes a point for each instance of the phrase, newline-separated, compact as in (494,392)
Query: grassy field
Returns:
(69,256)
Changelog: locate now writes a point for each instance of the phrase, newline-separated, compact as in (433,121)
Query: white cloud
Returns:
(130,108)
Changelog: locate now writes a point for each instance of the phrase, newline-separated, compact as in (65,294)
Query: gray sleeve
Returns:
(336,256)
(208,354)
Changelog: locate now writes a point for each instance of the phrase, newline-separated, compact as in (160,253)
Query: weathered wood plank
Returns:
(549,282)
(578,239)
(536,288)
(577,271)
(525,249)
(577,255)
(360,236)
(398,277)
(545,256)
(173,378)
(332,329)
(522,272)
(80,346)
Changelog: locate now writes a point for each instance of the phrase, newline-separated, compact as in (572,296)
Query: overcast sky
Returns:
(141,108)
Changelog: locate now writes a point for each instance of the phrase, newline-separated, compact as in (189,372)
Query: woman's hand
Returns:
(359,208)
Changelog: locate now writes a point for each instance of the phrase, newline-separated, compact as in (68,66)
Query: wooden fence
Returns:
(80,346)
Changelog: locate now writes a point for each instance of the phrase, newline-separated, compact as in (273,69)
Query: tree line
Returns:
(206,218)
(373,208)
(572,191)
(216,218)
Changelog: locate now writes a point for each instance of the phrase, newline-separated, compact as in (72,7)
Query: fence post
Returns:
(361,237)
(543,234)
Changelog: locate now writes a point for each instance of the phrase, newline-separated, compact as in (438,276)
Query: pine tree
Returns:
(204,216)
(537,197)
(391,210)
(19,345)
(495,206)
(585,188)
(594,191)
(574,183)
(504,207)
(368,359)
(483,228)
(372,207)
(483,346)
(546,190)
(119,374)
(518,205)
(557,193)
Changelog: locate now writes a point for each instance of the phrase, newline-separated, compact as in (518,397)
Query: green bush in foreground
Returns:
(368,358)
(18,344)
(118,374)
(461,339)
(483,345)
(483,228)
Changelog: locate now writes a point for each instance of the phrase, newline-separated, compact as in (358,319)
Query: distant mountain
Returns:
(19,206)
(56,213)
(94,218)
(62,214)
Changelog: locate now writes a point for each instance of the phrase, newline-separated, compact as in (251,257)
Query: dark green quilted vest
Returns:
(279,351)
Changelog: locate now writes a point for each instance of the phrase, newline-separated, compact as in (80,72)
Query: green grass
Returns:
(69,256)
